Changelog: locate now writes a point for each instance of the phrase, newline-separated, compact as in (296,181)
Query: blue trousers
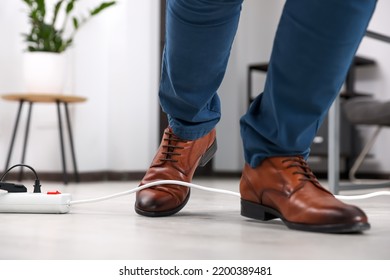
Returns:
(312,52)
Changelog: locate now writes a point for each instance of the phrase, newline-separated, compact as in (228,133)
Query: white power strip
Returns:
(51,202)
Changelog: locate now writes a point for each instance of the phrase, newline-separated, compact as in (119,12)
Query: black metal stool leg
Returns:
(76,173)
(249,89)
(11,146)
(65,174)
(25,139)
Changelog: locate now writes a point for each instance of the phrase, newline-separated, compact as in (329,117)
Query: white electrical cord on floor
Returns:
(362,196)
(190,185)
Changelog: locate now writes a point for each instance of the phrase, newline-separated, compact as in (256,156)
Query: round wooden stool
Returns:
(57,99)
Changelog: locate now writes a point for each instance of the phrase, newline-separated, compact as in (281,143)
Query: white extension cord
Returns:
(15,198)
(190,185)
(60,203)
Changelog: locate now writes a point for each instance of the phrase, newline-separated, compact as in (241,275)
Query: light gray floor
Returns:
(209,227)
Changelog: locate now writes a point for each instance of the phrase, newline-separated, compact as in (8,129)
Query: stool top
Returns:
(46,98)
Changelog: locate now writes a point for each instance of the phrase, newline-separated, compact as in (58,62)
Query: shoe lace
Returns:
(300,163)
(170,148)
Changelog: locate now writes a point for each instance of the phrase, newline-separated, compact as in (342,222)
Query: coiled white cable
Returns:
(190,185)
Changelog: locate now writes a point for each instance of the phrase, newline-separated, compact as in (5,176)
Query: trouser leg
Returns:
(199,36)
(313,48)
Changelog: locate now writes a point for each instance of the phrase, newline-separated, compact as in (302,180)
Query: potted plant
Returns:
(48,39)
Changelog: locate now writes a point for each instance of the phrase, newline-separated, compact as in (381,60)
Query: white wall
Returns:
(253,44)
(114,63)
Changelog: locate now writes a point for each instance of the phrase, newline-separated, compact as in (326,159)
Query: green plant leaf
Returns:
(70,6)
(101,7)
(34,15)
(41,8)
(75,23)
(57,8)
(28,2)
(45,36)
(66,44)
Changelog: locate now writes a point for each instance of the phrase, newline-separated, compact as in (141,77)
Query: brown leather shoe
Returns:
(176,159)
(286,188)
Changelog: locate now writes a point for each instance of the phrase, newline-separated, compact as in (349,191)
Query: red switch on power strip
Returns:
(56,192)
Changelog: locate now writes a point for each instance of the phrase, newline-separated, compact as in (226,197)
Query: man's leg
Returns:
(314,46)
(199,37)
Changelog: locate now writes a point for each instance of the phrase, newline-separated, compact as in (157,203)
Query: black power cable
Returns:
(19,188)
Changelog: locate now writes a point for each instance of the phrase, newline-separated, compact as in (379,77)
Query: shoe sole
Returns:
(260,212)
(206,157)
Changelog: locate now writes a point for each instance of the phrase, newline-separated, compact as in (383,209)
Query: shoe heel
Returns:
(255,211)
(208,155)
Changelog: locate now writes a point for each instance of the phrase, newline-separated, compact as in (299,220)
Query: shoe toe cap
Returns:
(160,198)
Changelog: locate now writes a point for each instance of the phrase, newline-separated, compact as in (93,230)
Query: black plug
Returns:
(37,186)
(12,188)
